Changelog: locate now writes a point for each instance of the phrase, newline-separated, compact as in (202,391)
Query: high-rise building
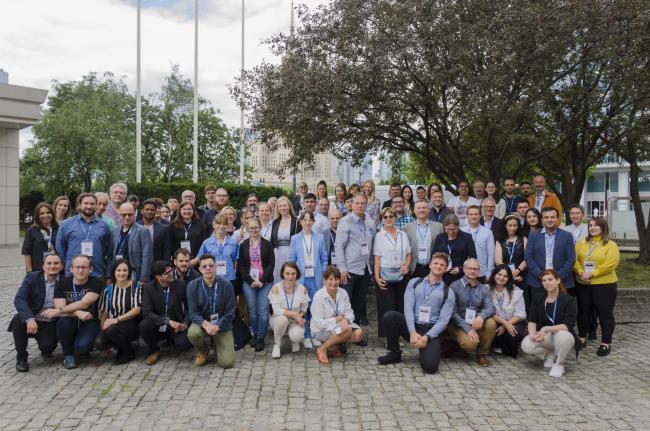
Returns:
(4,77)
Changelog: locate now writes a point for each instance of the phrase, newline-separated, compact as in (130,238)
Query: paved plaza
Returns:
(295,392)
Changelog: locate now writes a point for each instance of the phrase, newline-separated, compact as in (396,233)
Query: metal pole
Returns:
(195,167)
(242,144)
(138,112)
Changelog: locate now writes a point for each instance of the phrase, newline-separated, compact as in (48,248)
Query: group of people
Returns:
(484,272)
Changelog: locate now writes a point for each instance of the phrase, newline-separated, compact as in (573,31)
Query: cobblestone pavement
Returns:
(295,392)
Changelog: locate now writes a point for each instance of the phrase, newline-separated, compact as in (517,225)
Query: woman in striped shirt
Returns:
(119,305)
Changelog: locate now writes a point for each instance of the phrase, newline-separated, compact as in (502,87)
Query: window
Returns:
(596,183)
(613,182)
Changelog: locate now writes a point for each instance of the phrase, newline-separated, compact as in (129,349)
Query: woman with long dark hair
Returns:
(510,311)
(533,221)
(409,201)
(187,231)
(40,237)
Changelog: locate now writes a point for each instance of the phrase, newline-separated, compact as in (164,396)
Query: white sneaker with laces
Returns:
(275,354)
(549,361)
(307,343)
(557,371)
(315,342)
(295,347)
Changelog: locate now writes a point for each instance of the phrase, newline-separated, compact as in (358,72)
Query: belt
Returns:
(284,242)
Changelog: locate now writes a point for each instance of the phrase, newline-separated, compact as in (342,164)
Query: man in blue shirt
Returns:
(84,234)
(211,304)
(426,315)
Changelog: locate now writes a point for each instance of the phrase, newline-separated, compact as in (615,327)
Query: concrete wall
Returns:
(8,186)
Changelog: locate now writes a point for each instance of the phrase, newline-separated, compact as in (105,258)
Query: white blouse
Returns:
(324,310)
(296,301)
(507,306)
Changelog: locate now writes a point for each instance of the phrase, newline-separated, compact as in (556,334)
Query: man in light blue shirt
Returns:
(85,234)
(483,242)
(428,307)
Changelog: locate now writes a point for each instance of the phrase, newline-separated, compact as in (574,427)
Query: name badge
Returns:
(162,328)
(186,245)
(549,263)
(46,254)
(337,330)
(309,271)
(255,273)
(512,267)
(364,250)
(214,318)
(590,266)
(423,254)
(449,264)
(470,315)
(424,314)
(118,257)
(87,248)
(221,267)
(395,259)
(333,257)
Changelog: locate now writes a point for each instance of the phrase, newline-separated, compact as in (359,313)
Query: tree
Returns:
(85,136)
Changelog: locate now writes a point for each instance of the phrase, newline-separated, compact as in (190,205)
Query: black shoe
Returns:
(604,350)
(259,344)
(364,322)
(362,343)
(583,343)
(124,357)
(46,355)
(22,366)
(592,336)
(253,342)
(390,358)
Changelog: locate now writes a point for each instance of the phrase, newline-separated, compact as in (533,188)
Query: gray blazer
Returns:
(140,251)
(435,228)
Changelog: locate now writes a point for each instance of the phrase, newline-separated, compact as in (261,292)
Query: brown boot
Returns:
(483,360)
(153,358)
(199,359)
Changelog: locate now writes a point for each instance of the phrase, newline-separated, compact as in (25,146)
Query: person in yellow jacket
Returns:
(597,258)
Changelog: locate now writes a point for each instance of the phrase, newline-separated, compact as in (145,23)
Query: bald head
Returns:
(127,214)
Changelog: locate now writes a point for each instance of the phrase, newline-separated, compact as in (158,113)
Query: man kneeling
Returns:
(428,306)
(211,301)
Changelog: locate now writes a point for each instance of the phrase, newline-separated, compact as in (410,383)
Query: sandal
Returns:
(322,357)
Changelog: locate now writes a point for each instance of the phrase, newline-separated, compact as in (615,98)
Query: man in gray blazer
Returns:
(329,235)
(421,234)
(132,242)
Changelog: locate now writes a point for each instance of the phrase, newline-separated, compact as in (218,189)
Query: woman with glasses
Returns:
(392,259)
(119,305)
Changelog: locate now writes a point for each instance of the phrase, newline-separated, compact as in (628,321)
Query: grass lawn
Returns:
(631,274)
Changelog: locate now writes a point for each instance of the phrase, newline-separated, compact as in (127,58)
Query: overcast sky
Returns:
(46,40)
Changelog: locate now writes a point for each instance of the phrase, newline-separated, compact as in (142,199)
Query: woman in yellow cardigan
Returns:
(596,261)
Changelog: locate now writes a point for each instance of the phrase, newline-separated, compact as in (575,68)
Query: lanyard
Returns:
(425,230)
(109,296)
(510,203)
(255,250)
(286,297)
(332,239)
(220,248)
(124,237)
(474,235)
(549,243)
(438,213)
(397,238)
(511,250)
(539,199)
(74,290)
(166,299)
(591,246)
(427,292)
(311,245)
(335,306)
(578,234)
(213,300)
(86,232)
(449,248)
(470,295)
(47,235)
(552,319)
(187,228)
(362,229)
(266,230)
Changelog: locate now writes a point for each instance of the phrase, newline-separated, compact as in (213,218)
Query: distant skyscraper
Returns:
(4,77)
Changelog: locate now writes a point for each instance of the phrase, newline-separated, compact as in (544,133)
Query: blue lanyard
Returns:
(122,243)
(47,235)
(554,311)
(470,295)
(213,300)
(187,228)
(474,235)
(390,240)
(449,249)
(255,251)
(311,244)
(74,290)
(166,299)
(109,296)
(428,292)
(362,229)
(539,200)
(511,250)
(266,230)
(286,297)
(438,214)
(549,243)
(335,307)
(86,232)
(221,248)
(425,230)
(509,203)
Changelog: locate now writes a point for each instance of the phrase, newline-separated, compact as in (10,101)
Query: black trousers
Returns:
(508,343)
(420,271)
(45,337)
(599,299)
(119,335)
(152,336)
(395,323)
(391,299)
(357,289)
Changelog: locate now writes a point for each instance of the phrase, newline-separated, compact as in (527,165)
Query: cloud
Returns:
(42,41)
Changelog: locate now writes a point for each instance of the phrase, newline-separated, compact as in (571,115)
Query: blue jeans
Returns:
(258,307)
(76,335)
(310,284)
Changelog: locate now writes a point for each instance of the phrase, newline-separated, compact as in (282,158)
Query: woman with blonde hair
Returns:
(374,204)
(285,225)
(231,216)
(242,234)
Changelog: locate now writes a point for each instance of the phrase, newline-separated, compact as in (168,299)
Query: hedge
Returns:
(162,190)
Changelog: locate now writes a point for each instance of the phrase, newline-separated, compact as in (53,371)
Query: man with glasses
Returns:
(117,194)
(421,234)
(402,219)
(211,303)
(131,242)
(491,222)
(164,312)
(75,304)
(84,234)
(472,325)
(394,190)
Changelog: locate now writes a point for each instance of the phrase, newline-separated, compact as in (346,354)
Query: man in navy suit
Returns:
(490,221)
(156,230)
(36,294)
(131,242)
(549,248)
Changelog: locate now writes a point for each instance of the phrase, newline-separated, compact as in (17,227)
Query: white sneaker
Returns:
(295,347)
(497,350)
(557,371)
(307,343)
(275,354)
(549,361)
(315,342)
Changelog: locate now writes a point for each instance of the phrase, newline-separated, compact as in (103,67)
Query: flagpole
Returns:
(195,165)
(138,110)
(242,149)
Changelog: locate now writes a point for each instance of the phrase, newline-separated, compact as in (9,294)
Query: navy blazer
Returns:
(462,250)
(159,231)
(564,256)
(30,297)
(498,228)
(140,251)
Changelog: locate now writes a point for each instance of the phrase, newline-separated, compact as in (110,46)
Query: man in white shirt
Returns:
(577,228)
(459,204)
(479,190)
(483,242)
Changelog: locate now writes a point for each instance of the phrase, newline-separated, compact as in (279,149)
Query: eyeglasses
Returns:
(221,196)
(127,215)
(80,267)
(388,216)
(207,266)
(488,206)
(472,268)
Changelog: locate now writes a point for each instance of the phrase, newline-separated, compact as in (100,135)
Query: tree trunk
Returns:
(642,228)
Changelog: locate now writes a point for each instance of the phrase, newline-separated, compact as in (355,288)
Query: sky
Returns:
(42,41)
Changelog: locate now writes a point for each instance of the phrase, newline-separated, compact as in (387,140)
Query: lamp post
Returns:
(242,148)
(195,164)
(138,109)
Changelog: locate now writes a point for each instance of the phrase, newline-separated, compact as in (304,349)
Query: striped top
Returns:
(122,300)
